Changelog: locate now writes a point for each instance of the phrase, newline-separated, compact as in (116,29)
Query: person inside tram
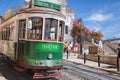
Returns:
(46,34)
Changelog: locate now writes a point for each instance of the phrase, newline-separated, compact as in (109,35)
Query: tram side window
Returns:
(11,37)
(0,33)
(22,29)
(61,30)
(5,33)
(35,28)
(51,28)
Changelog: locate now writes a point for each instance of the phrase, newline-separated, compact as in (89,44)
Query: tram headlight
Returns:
(36,62)
(50,56)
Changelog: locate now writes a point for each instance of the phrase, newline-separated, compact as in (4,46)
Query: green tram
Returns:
(33,39)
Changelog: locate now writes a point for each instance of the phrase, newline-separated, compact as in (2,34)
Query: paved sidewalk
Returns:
(91,64)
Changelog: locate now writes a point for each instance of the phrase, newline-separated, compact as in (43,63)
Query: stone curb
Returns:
(97,68)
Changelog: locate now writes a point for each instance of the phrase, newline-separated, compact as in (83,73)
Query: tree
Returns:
(96,35)
(79,29)
(9,13)
(86,33)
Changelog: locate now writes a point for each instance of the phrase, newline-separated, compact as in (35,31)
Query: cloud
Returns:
(99,17)
(111,30)
(96,28)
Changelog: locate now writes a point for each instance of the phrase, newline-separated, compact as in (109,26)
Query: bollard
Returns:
(67,54)
(98,60)
(118,66)
(84,58)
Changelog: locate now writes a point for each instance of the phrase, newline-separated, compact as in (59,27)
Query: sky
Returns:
(97,15)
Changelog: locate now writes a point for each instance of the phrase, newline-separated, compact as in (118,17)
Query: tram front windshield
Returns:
(51,31)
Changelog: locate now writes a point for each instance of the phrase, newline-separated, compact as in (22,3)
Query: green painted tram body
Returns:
(36,52)
(33,38)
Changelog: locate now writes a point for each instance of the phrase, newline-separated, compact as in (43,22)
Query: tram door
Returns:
(21,37)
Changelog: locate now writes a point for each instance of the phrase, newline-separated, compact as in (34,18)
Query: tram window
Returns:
(61,30)
(0,33)
(7,33)
(22,29)
(4,33)
(51,28)
(11,37)
(35,28)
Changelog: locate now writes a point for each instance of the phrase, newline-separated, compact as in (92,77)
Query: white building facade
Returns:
(69,25)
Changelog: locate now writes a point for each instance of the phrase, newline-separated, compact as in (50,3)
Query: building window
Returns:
(35,28)
(51,28)
(66,29)
(61,30)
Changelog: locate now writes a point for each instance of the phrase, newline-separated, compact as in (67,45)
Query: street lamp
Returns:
(80,21)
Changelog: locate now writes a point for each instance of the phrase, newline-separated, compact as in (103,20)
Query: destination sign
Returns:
(47,4)
(48,47)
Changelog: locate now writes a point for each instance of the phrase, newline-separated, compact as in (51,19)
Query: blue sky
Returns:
(99,15)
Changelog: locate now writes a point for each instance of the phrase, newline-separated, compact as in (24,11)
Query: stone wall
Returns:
(112,60)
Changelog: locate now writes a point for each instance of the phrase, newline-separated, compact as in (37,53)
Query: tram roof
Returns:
(23,9)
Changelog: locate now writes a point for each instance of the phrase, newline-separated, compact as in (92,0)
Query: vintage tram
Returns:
(33,39)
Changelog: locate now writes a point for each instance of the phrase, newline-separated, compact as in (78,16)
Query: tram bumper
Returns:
(46,75)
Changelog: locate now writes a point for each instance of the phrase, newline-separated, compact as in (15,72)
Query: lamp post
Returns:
(80,36)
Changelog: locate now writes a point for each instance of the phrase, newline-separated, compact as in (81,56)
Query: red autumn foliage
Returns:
(79,29)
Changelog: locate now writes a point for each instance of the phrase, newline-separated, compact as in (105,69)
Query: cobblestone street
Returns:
(70,71)
(80,72)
